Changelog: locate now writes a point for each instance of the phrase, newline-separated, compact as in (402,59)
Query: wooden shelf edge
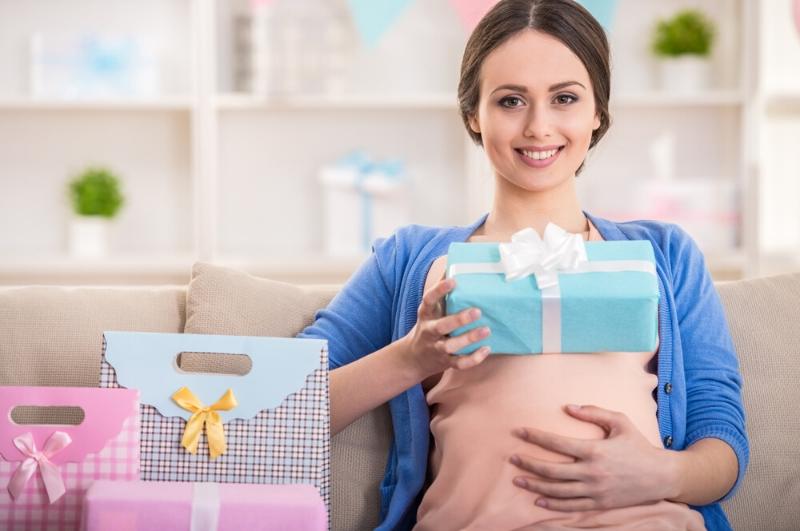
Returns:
(33,104)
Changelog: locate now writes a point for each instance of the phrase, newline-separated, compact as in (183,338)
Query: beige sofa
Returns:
(52,336)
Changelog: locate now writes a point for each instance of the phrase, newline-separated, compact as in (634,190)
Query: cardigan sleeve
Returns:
(358,321)
(713,381)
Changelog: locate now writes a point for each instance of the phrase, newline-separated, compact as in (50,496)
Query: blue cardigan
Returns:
(378,305)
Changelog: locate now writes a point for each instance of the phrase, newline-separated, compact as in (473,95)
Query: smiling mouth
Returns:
(539,155)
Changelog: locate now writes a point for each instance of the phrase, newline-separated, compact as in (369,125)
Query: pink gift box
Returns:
(147,505)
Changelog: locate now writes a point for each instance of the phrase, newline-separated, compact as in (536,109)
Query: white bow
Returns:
(529,254)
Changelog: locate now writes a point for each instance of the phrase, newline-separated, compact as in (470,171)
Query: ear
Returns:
(596,124)
(474,124)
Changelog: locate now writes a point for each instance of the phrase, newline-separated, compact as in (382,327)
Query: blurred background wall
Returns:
(281,137)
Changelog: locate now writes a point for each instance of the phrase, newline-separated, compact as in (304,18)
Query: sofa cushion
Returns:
(762,315)
(225,301)
(54,335)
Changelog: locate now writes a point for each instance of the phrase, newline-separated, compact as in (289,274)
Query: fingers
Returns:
(445,325)
(467,362)
(454,344)
(610,421)
(569,504)
(579,448)
(553,489)
(430,308)
(549,470)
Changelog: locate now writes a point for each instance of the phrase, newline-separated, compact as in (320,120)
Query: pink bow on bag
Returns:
(51,476)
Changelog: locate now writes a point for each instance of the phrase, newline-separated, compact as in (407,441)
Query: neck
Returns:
(514,209)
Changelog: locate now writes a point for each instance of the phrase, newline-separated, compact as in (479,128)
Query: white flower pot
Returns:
(88,237)
(686,74)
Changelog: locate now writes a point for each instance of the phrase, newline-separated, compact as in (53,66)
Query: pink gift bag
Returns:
(45,469)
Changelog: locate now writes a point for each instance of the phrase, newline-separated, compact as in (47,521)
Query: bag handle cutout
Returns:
(213,363)
(23,415)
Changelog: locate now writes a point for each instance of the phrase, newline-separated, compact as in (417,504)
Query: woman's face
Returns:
(536,112)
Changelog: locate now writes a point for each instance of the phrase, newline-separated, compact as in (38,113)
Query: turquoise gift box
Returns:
(611,308)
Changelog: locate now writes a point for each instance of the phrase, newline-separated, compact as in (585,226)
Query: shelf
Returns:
(788,101)
(312,269)
(237,102)
(779,264)
(64,265)
(730,265)
(718,98)
(34,104)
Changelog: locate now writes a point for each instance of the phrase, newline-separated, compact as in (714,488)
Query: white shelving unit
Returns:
(774,156)
(212,174)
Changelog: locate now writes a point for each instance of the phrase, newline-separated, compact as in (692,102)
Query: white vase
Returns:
(686,74)
(88,237)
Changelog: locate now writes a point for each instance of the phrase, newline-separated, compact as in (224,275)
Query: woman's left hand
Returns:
(621,470)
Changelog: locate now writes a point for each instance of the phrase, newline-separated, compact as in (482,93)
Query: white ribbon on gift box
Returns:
(205,507)
(558,253)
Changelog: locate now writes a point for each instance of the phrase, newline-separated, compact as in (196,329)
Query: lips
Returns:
(540,157)
(539,153)
(540,148)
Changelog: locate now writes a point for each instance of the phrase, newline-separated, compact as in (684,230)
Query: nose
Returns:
(537,122)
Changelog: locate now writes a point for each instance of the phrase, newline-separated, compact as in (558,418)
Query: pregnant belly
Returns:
(474,413)
(507,392)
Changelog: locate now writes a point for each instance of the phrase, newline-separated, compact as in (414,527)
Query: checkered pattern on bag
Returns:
(118,460)
(287,444)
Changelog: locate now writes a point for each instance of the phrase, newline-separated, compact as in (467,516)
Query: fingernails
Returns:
(519,482)
(485,331)
(541,502)
(475,313)
(573,407)
(522,433)
(515,460)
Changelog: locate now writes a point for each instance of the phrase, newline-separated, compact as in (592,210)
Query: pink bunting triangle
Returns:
(797,15)
(471,11)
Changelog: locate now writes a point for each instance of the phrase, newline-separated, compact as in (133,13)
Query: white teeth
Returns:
(539,155)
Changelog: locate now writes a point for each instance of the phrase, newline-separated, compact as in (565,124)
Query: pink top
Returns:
(471,476)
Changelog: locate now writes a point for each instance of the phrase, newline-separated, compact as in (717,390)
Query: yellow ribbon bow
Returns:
(204,416)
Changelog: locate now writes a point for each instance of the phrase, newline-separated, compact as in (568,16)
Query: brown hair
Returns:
(567,21)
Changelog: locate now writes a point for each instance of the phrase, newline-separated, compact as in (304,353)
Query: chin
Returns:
(538,183)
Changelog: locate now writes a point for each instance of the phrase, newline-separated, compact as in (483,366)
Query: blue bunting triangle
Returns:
(374,17)
(602,10)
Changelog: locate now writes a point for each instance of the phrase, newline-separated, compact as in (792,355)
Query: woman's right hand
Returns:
(429,347)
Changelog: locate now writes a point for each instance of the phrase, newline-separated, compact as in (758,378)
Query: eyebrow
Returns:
(553,88)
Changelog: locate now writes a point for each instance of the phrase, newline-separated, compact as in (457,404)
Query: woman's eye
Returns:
(566,99)
(511,101)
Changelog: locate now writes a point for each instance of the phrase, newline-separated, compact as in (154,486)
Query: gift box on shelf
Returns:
(94,64)
(363,200)
(557,293)
(270,425)
(45,469)
(142,506)
(703,207)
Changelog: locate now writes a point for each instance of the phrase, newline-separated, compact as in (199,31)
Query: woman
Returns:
(534,91)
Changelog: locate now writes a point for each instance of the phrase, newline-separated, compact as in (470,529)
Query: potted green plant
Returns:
(683,46)
(96,198)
